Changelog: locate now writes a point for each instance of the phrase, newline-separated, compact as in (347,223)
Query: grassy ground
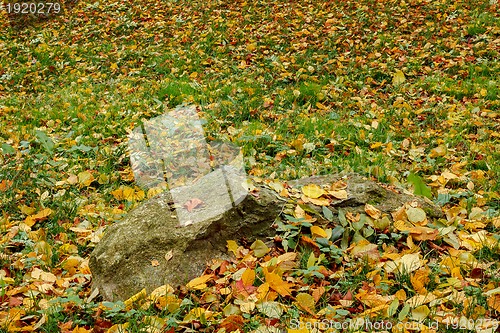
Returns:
(383,88)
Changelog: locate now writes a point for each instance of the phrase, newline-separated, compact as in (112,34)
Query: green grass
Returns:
(304,88)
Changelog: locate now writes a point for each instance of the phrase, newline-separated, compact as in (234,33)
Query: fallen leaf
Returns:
(313,191)
(41,215)
(372,211)
(340,194)
(398,78)
(169,255)
(192,204)
(306,302)
(318,232)
(259,248)
(85,178)
(199,282)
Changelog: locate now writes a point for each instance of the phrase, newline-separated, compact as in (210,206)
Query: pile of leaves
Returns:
(405,92)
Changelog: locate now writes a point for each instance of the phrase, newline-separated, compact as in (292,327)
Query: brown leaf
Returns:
(232,323)
(192,204)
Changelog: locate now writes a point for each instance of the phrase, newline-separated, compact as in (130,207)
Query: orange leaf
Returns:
(80,330)
(41,215)
(494,302)
(373,212)
(423,233)
(5,184)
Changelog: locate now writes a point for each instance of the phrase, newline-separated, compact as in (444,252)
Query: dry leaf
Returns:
(313,191)
(340,194)
(193,204)
(372,211)
(41,215)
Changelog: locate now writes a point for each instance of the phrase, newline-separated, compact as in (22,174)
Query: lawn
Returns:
(403,92)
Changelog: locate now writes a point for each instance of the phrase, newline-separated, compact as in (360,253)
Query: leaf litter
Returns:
(425,73)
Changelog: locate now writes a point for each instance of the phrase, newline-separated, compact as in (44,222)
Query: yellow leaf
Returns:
(139,195)
(128,193)
(494,302)
(340,194)
(113,66)
(320,201)
(252,47)
(194,314)
(118,193)
(311,261)
(32,219)
(199,282)
(7,280)
(140,295)
(85,178)
(483,92)
(313,191)
(232,246)
(276,283)
(118,328)
(419,280)
(399,77)
(318,232)
(80,330)
(306,302)
(248,277)
(420,313)
(27,210)
(439,151)
(70,265)
(154,191)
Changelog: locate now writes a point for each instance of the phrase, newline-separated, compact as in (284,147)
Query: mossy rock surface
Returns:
(149,247)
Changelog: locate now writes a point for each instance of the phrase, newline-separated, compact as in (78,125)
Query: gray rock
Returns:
(134,253)
(362,191)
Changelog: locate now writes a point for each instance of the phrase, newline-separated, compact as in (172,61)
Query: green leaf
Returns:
(393,307)
(337,233)
(404,312)
(419,186)
(327,214)
(46,142)
(342,219)
(344,244)
(7,149)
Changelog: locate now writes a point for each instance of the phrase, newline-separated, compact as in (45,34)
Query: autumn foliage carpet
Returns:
(404,92)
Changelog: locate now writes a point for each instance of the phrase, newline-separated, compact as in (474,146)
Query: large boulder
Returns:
(150,247)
